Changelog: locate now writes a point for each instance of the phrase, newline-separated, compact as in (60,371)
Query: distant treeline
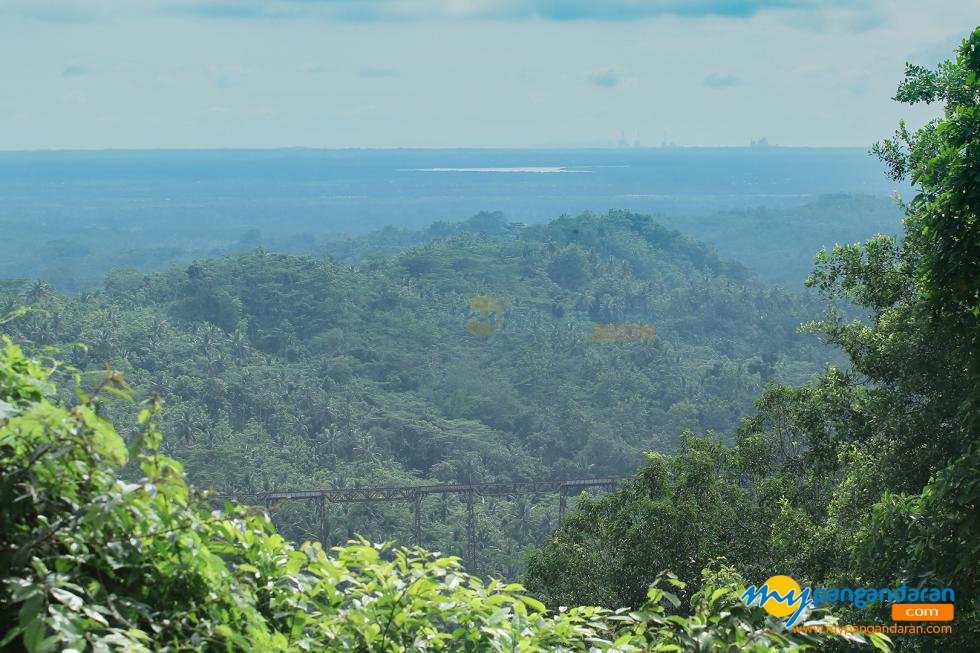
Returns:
(283,372)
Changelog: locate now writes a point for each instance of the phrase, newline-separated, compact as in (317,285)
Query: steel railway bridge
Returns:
(416,494)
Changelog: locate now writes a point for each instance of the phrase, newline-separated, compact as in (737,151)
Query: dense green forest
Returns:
(778,244)
(92,561)
(282,372)
(869,473)
(75,255)
(843,455)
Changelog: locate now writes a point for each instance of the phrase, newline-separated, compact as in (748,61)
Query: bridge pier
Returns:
(470,533)
(417,531)
(416,494)
(323,522)
(562,500)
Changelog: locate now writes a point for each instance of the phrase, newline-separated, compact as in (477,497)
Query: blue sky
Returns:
(461,73)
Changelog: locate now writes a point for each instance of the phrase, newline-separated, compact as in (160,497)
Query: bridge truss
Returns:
(416,494)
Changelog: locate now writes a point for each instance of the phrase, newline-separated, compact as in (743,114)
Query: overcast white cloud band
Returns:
(513,73)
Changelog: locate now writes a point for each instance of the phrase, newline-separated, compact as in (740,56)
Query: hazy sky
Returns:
(457,73)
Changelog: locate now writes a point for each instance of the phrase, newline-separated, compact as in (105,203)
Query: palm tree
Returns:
(35,328)
(104,343)
(158,326)
(240,346)
(522,518)
(184,426)
(209,338)
(37,291)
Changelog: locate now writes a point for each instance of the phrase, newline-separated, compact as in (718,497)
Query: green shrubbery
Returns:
(283,372)
(869,473)
(90,561)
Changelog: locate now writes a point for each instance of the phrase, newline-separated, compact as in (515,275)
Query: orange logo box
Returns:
(622,332)
(922,611)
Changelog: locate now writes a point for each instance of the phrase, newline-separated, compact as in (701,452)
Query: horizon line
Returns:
(277,148)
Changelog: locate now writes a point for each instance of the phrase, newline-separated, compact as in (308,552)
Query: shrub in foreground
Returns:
(92,561)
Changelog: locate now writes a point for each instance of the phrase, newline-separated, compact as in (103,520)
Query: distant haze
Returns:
(461,73)
(72,216)
(353,191)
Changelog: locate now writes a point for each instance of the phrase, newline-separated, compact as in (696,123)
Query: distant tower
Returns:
(622,138)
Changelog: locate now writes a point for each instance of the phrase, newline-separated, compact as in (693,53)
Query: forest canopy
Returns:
(283,372)
(868,472)
(751,448)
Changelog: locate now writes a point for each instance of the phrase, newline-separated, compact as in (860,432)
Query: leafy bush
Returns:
(678,512)
(867,474)
(284,372)
(90,561)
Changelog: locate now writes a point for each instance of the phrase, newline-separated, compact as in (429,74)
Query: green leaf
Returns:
(73,602)
(30,610)
(532,603)
(34,633)
(676,602)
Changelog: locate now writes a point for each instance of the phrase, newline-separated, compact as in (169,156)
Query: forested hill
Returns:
(283,372)
(777,243)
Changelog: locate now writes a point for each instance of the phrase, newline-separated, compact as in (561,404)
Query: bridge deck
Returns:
(417,493)
(411,492)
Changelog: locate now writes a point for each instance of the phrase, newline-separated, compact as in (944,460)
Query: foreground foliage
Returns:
(869,475)
(282,372)
(89,561)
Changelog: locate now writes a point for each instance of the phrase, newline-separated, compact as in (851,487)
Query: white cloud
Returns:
(437,81)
